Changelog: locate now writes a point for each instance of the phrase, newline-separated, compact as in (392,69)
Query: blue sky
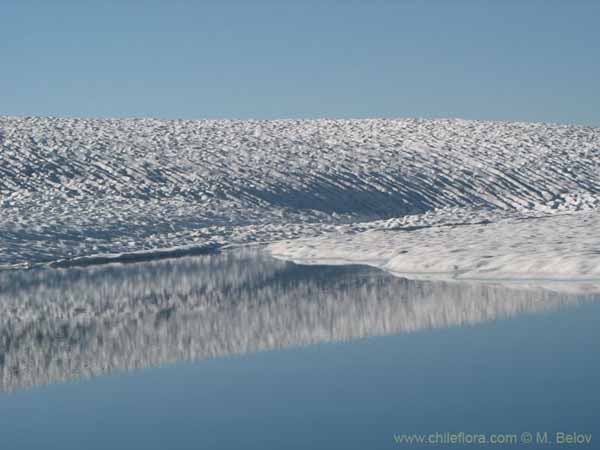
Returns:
(501,60)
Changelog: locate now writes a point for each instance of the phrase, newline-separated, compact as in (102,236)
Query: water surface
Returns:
(238,350)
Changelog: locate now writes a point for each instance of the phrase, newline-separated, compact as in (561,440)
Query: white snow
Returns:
(563,245)
(464,198)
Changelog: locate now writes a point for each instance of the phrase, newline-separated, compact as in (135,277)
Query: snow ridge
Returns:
(78,187)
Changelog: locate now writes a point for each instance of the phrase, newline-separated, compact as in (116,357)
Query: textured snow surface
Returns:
(532,248)
(411,195)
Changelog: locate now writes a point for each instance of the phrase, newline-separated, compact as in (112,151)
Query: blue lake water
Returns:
(238,350)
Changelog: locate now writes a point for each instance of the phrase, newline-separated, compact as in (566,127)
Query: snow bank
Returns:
(547,247)
(75,188)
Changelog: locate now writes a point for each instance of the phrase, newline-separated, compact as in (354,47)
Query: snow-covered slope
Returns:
(75,187)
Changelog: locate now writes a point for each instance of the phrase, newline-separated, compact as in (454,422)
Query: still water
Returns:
(239,350)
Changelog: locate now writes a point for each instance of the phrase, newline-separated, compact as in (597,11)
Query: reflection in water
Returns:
(62,324)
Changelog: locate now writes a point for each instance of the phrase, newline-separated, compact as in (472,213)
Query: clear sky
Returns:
(505,60)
